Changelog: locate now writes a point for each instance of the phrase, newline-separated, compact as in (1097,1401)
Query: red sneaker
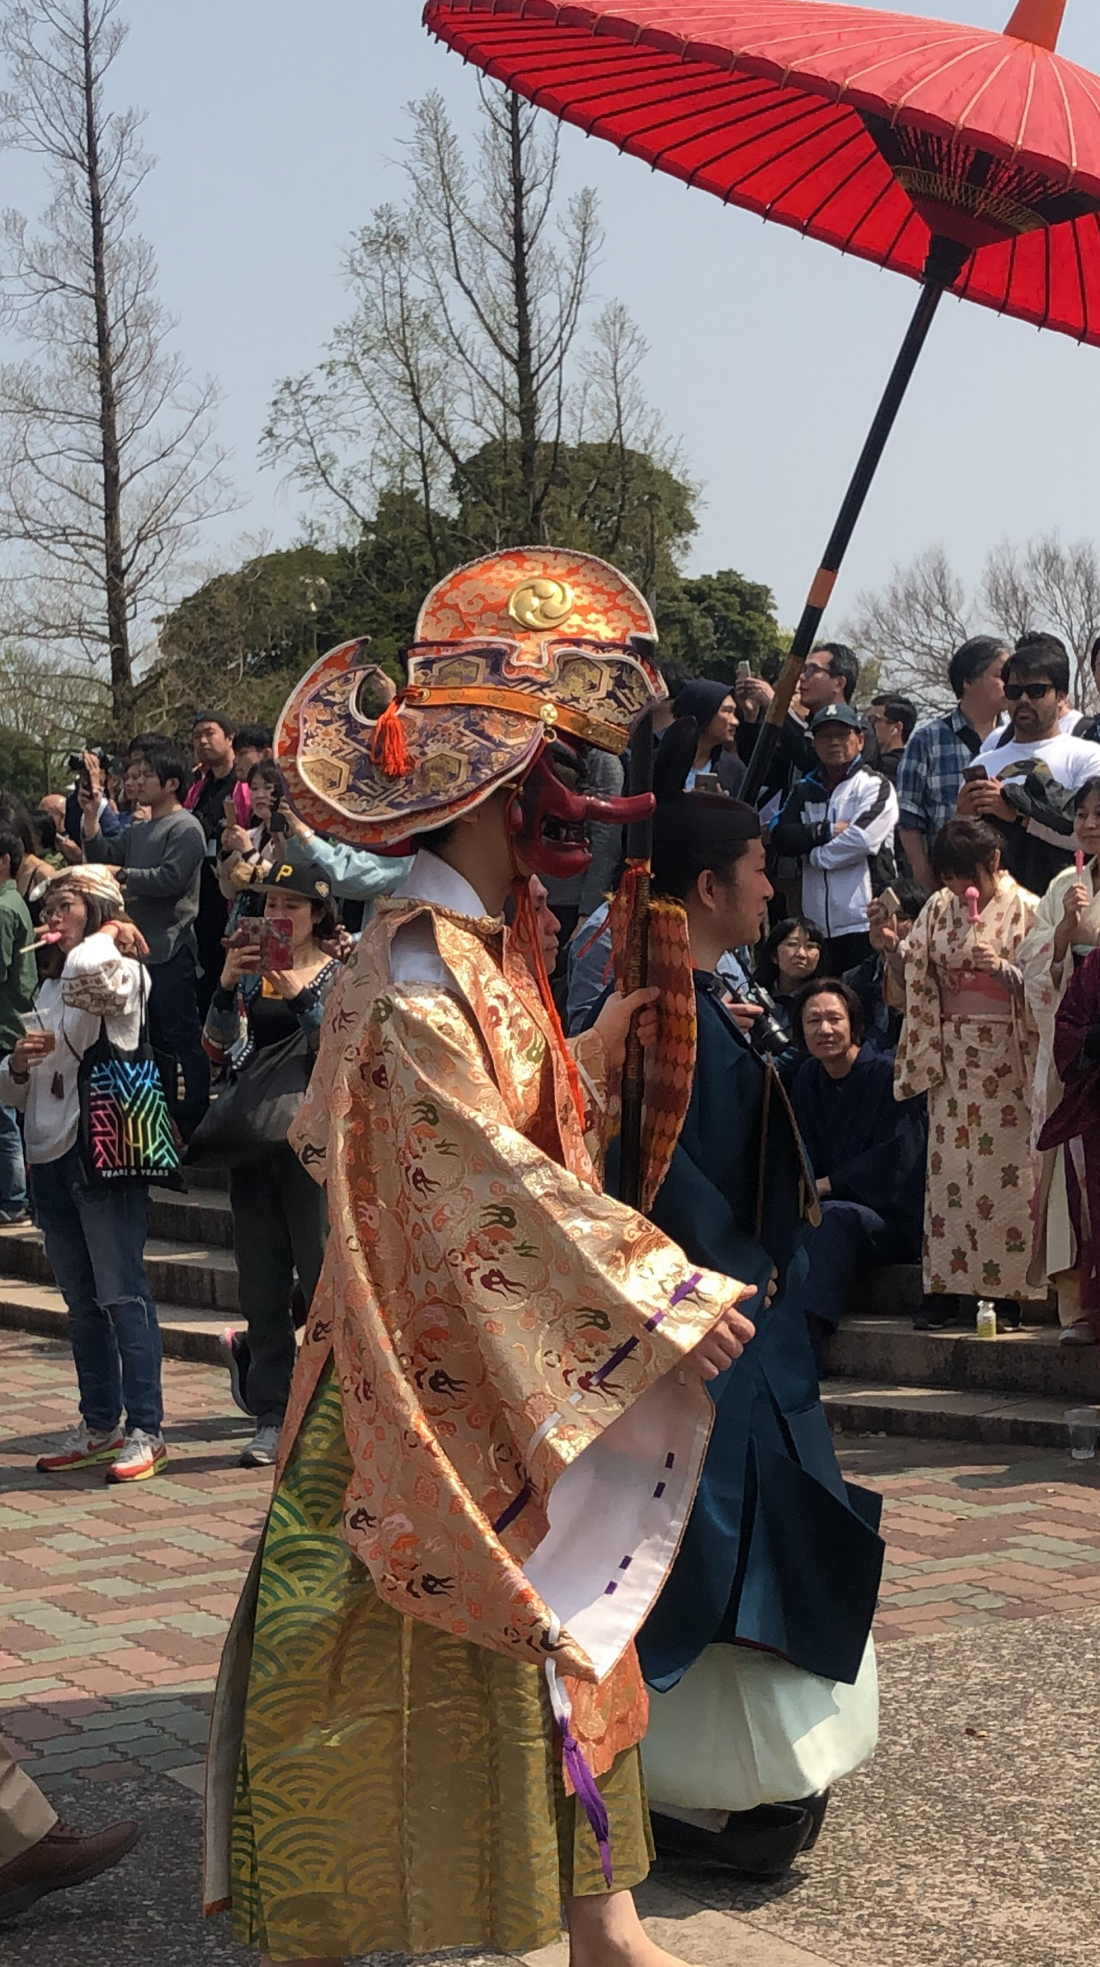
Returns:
(82,1446)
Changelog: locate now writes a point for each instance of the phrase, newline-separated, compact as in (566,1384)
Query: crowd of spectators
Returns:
(132,913)
(935,898)
(936,903)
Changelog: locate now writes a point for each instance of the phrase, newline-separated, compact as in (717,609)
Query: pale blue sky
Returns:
(272,124)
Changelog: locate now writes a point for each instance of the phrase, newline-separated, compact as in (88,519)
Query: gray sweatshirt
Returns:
(163,860)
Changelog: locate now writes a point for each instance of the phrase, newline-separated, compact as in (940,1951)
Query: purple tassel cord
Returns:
(588,1795)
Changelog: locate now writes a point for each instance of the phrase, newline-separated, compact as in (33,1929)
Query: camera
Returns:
(75,760)
(766,1034)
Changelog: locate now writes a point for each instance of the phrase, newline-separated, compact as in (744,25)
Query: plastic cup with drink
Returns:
(38,1039)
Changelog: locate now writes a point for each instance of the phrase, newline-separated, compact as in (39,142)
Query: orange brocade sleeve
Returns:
(492,1316)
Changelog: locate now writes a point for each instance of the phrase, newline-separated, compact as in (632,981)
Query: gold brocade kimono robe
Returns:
(505,1337)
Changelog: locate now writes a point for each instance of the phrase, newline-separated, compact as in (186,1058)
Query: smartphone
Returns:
(229,812)
(890,902)
(744,670)
(273,936)
(975,772)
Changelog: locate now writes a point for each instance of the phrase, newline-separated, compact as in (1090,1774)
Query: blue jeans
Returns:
(95,1241)
(175,1029)
(13,1173)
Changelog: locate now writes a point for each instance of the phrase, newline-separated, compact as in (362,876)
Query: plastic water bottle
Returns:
(987,1318)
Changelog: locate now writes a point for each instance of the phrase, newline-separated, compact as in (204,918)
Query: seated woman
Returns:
(867,1153)
(790,956)
(970,1043)
(779,1566)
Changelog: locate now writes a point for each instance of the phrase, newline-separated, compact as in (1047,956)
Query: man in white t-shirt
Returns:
(1032,769)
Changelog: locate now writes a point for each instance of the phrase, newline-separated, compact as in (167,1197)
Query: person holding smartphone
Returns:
(247,853)
(272,991)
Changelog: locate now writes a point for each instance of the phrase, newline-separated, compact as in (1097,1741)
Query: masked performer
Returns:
(499,1414)
(758,1647)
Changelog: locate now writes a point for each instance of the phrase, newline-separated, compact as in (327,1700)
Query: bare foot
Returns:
(607,1932)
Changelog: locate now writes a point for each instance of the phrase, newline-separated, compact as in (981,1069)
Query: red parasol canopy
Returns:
(967,159)
(864,129)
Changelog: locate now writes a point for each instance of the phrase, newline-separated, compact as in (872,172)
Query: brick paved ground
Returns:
(113,1604)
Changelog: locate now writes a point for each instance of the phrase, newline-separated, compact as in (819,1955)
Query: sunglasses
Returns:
(1034,691)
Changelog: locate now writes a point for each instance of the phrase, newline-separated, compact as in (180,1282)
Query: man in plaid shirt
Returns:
(932,766)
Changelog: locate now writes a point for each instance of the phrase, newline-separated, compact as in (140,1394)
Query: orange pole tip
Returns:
(1039,21)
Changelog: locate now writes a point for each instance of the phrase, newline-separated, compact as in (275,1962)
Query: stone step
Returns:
(195,1274)
(199,1216)
(898,1288)
(863,1407)
(1027,1365)
(187,1332)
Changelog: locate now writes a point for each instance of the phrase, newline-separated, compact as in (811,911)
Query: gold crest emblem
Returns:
(541,603)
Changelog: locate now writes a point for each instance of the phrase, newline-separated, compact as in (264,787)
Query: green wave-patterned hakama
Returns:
(399,1790)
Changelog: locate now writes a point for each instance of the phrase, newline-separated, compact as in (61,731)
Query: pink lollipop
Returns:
(1079,860)
(973,900)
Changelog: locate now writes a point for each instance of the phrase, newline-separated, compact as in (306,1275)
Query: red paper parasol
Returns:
(969,160)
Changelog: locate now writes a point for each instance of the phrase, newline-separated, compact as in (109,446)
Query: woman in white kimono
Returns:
(1066,929)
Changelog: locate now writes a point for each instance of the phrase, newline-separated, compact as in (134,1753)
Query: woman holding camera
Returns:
(279,1213)
(94,1236)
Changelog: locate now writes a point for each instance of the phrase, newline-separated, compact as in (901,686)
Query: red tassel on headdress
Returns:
(389,748)
(526,931)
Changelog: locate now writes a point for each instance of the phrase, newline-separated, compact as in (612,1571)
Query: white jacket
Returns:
(837,868)
(96,984)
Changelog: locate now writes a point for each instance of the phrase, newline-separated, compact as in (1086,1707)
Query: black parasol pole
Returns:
(944,264)
(639,855)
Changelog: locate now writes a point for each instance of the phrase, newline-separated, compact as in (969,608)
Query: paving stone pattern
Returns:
(114,1603)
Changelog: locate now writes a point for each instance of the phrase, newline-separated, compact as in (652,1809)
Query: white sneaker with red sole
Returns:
(143,1455)
(81,1447)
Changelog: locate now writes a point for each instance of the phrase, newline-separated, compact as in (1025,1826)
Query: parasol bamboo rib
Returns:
(944,267)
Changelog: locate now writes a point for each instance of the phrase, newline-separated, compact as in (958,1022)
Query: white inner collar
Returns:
(432,880)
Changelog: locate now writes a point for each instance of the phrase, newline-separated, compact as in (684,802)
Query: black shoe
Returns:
(763,1843)
(1010,1317)
(938,1314)
(817,1806)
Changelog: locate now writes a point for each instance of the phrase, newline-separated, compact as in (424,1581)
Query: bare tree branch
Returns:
(107,460)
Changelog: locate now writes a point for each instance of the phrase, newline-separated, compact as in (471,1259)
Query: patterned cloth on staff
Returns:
(978,1070)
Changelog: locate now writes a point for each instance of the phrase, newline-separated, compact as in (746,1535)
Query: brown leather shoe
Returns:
(63,1857)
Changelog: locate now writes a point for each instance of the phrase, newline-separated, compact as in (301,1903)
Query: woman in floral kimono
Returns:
(970,1043)
(1067,929)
